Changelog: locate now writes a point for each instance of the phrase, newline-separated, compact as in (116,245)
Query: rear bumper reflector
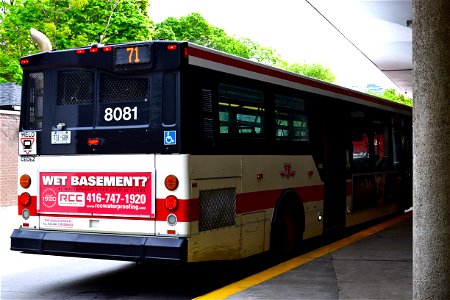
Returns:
(104,246)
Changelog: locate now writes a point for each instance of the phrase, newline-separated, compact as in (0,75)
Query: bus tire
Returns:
(287,229)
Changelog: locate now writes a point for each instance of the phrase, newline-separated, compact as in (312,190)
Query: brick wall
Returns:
(9,126)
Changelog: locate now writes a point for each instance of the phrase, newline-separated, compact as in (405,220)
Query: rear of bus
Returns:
(97,177)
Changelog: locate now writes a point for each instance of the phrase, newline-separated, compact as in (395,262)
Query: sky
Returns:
(293,28)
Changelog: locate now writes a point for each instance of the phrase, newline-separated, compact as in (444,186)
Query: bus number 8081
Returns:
(118,114)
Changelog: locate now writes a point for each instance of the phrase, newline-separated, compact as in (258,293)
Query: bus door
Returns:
(335,131)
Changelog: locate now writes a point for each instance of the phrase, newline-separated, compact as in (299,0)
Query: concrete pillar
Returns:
(431,145)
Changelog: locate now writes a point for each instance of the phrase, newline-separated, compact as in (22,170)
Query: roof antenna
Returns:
(41,39)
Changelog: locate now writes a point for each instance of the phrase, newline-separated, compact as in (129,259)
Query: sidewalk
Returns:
(375,265)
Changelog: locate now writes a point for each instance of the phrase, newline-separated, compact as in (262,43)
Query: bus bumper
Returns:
(103,246)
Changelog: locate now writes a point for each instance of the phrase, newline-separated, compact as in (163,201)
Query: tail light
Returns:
(172,47)
(171,182)
(93,142)
(25,181)
(171,202)
(25,199)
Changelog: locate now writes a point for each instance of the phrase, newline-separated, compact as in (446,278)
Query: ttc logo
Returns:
(287,172)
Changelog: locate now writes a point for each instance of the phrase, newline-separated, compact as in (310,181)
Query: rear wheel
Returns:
(287,231)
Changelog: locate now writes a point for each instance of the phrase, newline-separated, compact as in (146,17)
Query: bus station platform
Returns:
(375,263)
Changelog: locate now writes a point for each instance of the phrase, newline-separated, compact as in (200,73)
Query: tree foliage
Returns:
(68,24)
(313,70)
(76,23)
(392,95)
(194,28)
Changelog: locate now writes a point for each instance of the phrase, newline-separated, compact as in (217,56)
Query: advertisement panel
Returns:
(97,193)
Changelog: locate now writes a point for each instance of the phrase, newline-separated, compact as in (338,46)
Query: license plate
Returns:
(60,137)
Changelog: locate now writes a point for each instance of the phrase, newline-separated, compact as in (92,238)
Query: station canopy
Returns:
(380,29)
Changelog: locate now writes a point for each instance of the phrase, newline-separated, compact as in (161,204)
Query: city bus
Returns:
(173,152)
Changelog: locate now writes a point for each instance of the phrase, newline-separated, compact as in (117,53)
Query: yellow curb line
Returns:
(265,275)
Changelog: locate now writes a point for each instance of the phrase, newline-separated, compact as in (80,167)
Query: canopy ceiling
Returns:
(380,29)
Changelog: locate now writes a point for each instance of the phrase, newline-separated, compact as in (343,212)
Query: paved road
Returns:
(376,267)
(27,276)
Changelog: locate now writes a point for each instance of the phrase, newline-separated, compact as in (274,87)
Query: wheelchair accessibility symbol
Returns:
(170,137)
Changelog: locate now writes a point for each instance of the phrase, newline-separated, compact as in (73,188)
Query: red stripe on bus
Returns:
(254,201)
(189,210)
(241,64)
(182,211)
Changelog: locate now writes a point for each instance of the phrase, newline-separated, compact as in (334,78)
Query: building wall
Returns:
(9,126)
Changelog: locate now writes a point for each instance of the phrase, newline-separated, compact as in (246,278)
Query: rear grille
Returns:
(115,89)
(75,87)
(217,208)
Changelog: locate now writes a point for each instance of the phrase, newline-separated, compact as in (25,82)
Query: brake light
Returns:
(80,51)
(25,199)
(24,61)
(171,202)
(25,181)
(172,47)
(93,50)
(93,141)
(171,182)
(107,49)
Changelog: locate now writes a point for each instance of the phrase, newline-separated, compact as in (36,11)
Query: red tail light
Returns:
(25,199)
(93,141)
(171,202)
(172,47)
(80,51)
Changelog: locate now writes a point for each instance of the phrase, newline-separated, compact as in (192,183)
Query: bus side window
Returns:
(371,150)
(361,149)
(381,148)
(241,111)
(224,119)
(291,120)
(401,148)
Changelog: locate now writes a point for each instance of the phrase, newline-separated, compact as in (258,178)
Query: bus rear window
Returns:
(116,89)
(75,87)
(34,106)
(123,100)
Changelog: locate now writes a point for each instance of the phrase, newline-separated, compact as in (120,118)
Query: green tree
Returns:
(68,24)
(391,94)
(194,28)
(312,70)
